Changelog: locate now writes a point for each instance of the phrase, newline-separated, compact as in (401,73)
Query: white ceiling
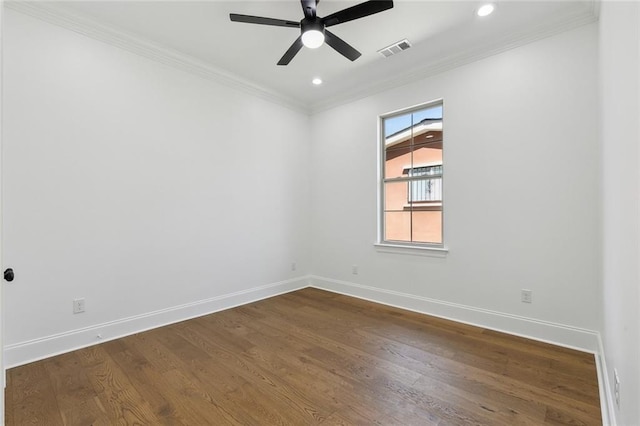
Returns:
(441,32)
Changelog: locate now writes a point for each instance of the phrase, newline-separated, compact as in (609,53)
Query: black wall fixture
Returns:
(9,275)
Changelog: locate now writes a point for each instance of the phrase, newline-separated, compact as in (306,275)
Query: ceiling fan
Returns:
(313,28)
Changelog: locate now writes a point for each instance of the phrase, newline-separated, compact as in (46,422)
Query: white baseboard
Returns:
(34,350)
(557,334)
(607,404)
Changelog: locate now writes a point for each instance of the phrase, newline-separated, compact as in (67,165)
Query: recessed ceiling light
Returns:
(486,9)
(317,81)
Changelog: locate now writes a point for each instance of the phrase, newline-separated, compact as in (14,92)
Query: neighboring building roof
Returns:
(426,125)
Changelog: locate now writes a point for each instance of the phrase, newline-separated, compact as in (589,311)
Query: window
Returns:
(411,176)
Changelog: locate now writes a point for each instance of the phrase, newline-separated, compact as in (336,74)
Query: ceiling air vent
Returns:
(395,48)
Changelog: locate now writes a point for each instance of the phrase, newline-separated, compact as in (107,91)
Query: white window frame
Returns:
(405,247)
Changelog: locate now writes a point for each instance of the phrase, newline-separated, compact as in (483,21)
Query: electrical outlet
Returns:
(293,266)
(354,269)
(526,296)
(78,306)
(616,387)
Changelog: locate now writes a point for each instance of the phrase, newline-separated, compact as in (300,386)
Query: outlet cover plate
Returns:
(78,306)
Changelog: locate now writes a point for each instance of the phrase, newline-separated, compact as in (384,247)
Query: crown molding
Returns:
(51,13)
(464,57)
(57,15)
(594,6)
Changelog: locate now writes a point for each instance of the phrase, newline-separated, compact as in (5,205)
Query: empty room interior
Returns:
(334,212)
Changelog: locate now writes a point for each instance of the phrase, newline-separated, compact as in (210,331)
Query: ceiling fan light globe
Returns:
(312,39)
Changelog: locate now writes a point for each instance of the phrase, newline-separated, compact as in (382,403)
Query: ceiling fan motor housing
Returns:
(309,24)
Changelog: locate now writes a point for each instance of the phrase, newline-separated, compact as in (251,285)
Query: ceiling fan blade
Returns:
(341,46)
(309,8)
(293,50)
(263,21)
(358,11)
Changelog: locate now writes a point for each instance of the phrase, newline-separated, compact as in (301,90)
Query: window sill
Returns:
(411,250)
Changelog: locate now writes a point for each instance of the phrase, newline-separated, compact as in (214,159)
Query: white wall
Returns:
(138,187)
(522,180)
(620,112)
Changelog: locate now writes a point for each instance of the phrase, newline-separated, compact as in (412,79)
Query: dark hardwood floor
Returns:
(309,357)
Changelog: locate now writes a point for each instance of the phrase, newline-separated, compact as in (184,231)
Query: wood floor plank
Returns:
(360,352)
(118,397)
(195,398)
(252,370)
(359,376)
(78,401)
(310,357)
(483,382)
(32,397)
(198,404)
(140,374)
(501,409)
(291,332)
(330,389)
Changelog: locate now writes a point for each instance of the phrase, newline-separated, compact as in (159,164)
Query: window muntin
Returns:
(411,181)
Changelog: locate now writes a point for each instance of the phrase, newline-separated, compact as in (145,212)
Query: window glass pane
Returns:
(397,226)
(427,115)
(395,196)
(424,190)
(397,159)
(397,144)
(427,226)
(429,138)
(397,125)
(425,155)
